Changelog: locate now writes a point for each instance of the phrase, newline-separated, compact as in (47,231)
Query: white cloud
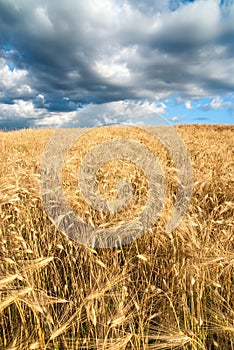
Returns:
(54,119)
(20,108)
(217,103)
(121,112)
(175,118)
(11,79)
(188,105)
(197,21)
(114,71)
(15,83)
(25,113)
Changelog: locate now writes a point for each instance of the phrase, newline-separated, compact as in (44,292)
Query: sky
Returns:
(59,60)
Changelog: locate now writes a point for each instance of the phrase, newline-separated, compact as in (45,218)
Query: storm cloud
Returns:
(56,57)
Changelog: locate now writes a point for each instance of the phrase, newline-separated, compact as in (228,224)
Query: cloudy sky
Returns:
(58,58)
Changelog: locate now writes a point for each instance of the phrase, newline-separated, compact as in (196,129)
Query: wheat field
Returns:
(161,291)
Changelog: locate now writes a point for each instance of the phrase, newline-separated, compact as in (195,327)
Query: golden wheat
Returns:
(159,292)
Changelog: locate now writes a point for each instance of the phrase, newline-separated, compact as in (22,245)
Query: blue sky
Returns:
(173,57)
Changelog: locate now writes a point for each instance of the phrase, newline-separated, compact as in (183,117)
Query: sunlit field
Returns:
(162,291)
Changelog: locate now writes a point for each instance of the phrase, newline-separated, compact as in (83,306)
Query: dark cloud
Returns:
(73,53)
(16,123)
(201,119)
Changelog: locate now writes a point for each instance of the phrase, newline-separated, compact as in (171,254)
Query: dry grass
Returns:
(159,292)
